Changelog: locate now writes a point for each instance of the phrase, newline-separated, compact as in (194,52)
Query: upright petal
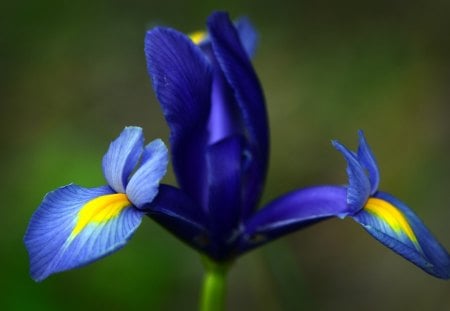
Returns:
(245,29)
(247,34)
(224,183)
(293,211)
(143,185)
(367,159)
(74,226)
(359,185)
(392,223)
(122,156)
(182,80)
(224,119)
(238,71)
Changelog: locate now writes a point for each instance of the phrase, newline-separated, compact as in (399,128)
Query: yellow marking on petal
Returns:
(100,210)
(392,216)
(198,36)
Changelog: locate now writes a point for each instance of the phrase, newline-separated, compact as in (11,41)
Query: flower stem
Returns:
(214,286)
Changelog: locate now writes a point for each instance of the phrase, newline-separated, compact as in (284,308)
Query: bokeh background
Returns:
(73,74)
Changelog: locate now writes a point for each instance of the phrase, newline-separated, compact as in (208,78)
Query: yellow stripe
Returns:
(197,37)
(392,216)
(100,210)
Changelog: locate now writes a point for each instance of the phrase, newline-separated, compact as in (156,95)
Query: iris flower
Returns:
(74,226)
(215,109)
(385,217)
(214,106)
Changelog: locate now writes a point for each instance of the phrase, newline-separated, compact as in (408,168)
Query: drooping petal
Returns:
(143,185)
(74,226)
(239,73)
(178,213)
(359,184)
(224,183)
(122,156)
(182,80)
(392,223)
(247,34)
(367,159)
(294,211)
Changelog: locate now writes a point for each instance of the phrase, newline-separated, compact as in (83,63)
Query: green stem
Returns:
(214,286)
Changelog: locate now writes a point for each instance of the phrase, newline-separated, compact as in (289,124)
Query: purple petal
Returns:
(359,185)
(247,34)
(179,214)
(74,226)
(224,120)
(143,185)
(293,211)
(182,80)
(367,159)
(395,225)
(239,73)
(224,184)
(122,156)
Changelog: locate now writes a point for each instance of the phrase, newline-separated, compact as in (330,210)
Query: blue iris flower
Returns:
(385,217)
(215,109)
(74,226)
(214,106)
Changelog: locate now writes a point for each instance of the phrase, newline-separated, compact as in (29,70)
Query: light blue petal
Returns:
(57,240)
(143,185)
(122,156)
(403,232)
(367,159)
(359,186)
(247,34)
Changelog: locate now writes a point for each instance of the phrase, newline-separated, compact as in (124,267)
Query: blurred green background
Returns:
(73,74)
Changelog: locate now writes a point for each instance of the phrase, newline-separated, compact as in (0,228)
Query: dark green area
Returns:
(73,74)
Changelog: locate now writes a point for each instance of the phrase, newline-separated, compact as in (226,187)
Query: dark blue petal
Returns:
(122,156)
(182,80)
(224,120)
(238,71)
(247,34)
(179,214)
(359,185)
(392,223)
(368,161)
(74,226)
(246,31)
(224,183)
(143,185)
(293,211)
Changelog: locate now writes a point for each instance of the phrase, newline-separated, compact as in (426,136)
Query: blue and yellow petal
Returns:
(74,226)
(388,219)
(395,225)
